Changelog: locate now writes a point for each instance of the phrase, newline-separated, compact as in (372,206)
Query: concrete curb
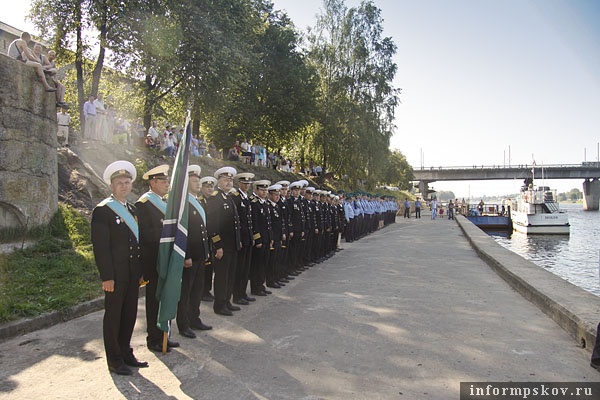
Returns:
(572,308)
(23,326)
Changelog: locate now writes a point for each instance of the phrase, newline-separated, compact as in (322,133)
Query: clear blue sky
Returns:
(481,78)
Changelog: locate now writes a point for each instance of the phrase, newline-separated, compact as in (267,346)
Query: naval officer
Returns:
(115,241)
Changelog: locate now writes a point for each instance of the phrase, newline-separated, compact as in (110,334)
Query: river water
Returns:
(575,257)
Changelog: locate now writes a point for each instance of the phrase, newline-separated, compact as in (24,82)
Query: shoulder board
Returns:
(216,192)
(254,200)
(143,199)
(234,193)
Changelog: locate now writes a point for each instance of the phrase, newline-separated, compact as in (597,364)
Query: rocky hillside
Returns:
(80,169)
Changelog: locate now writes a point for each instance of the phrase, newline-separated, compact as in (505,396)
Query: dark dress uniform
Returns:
(244,255)
(224,231)
(297,226)
(261,227)
(208,265)
(117,255)
(277,228)
(188,309)
(150,220)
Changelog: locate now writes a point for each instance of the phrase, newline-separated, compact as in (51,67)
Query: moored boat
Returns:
(536,211)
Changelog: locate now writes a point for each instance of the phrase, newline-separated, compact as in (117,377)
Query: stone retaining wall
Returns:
(28,163)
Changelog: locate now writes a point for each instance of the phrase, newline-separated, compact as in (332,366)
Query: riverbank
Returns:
(411,310)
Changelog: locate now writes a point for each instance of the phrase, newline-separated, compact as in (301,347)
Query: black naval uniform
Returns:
(261,227)
(192,278)
(150,220)
(244,255)
(278,229)
(297,226)
(117,255)
(224,231)
(207,279)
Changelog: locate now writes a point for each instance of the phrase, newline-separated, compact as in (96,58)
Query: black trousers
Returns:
(260,257)
(208,278)
(271,273)
(224,271)
(120,313)
(418,212)
(242,272)
(155,335)
(188,311)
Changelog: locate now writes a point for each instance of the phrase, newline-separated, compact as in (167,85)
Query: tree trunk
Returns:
(79,69)
(97,73)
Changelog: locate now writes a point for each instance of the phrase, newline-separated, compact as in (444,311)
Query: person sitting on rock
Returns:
(50,70)
(19,51)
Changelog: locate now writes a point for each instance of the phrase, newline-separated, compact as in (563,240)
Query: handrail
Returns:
(589,164)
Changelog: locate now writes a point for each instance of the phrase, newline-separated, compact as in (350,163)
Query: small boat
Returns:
(536,211)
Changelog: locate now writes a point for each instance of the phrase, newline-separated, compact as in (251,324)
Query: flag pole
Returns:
(165,342)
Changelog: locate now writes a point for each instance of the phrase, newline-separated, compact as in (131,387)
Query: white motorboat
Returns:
(536,211)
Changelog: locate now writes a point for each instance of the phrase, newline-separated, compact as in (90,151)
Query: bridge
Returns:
(588,171)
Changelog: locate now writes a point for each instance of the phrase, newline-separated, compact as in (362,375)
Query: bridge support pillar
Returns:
(591,194)
(424,189)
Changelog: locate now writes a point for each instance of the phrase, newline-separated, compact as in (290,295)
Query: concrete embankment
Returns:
(410,311)
(572,308)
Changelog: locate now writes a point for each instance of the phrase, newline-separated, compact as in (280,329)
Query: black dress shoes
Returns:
(223,311)
(120,370)
(208,297)
(248,298)
(188,333)
(241,301)
(595,366)
(290,278)
(134,362)
(259,293)
(231,307)
(172,343)
(267,291)
(280,283)
(284,280)
(157,347)
(199,326)
(273,286)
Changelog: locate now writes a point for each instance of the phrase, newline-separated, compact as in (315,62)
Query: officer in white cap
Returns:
(224,231)
(242,202)
(197,252)
(208,184)
(151,209)
(115,242)
(297,227)
(285,245)
(261,233)
(274,272)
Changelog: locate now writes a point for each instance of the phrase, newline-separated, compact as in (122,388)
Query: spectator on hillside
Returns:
(169,146)
(245,151)
(152,131)
(202,146)
(101,120)
(212,150)
(19,51)
(194,146)
(63,119)
(50,70)
(232,154)
(318,170)
(89,114)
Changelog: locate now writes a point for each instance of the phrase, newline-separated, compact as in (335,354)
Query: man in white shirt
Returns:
(89,113)
(63,120)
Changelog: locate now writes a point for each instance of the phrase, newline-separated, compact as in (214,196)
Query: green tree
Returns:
(397,172)
(356,97)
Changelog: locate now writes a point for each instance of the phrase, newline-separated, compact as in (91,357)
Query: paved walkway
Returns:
(408,312)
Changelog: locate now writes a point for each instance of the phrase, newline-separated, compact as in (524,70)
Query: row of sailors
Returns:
(265,237)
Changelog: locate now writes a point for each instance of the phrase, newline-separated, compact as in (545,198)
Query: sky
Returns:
(483,82)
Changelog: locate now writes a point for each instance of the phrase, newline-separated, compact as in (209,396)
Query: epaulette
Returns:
(234,193)
(143,199)
(255,200)
(216,192)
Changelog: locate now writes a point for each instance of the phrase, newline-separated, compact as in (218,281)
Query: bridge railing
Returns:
(592,164)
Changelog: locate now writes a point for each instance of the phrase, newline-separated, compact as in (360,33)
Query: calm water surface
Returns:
(575,257)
